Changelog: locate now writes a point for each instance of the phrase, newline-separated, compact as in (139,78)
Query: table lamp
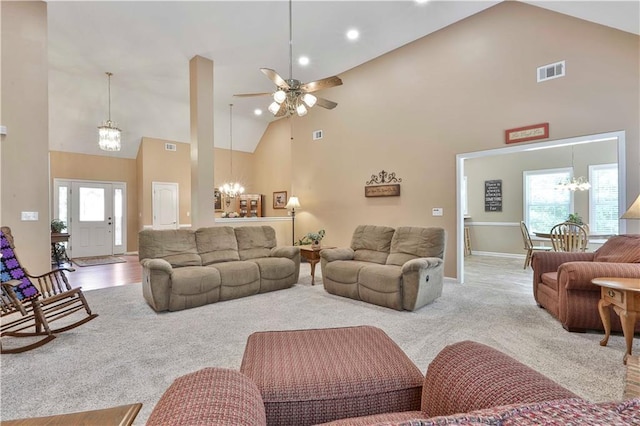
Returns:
(292,205)
(633,212)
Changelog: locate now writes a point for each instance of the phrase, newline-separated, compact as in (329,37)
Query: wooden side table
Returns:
(312,255)
(114,416)
(624,295)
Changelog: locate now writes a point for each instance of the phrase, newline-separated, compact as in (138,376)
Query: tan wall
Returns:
(66,165)
(24,151)
(156,164)
(505,236)
(412,110)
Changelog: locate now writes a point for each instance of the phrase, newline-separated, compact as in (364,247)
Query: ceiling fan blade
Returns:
(325,83)
(325,103)
(273,76)
(244,95)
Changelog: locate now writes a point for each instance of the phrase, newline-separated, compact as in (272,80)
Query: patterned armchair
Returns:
(562,281)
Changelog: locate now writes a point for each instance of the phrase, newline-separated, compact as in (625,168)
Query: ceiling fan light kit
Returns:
(109,136)
(291,96)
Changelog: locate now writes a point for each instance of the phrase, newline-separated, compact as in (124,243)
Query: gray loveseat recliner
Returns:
(399,268)
(186,268)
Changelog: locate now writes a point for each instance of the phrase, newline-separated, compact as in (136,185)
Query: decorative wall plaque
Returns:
(527,133)
(383,185)
(493,195)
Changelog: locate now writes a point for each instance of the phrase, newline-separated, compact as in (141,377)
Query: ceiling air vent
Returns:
(170,147)
(548,72)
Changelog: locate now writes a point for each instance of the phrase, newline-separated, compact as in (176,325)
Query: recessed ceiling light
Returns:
(257,111)
(421,1)
(303,60)
(353,34)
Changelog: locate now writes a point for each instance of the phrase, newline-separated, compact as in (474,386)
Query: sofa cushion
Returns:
(620,249)
(344,271)
(381,285)
(217,244)
(176,246)
(194,280)
(550,279)
(275,268)
(372,243)
(410,242)
(562,412)
(237,279)
(255,241)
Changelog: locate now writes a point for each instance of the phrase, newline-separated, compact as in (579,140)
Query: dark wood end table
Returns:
(312,255)
(114,416)
(624,295)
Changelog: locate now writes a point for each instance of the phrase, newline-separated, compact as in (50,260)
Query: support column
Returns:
(202,152)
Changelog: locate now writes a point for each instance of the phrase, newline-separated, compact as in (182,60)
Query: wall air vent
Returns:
(317,135)
(170,147)
(548,72)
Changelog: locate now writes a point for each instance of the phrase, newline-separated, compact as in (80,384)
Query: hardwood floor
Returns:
(102,276)
(499,273)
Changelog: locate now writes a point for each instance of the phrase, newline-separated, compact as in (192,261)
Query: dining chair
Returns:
(528,245)
(569,237)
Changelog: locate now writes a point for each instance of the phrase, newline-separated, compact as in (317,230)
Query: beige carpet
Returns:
(97,260)
(132,354)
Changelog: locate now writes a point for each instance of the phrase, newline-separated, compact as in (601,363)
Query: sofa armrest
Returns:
(156,283)
(331,255)
(289,252)
(578,275)
(214,396)
(468,376)
(415,265)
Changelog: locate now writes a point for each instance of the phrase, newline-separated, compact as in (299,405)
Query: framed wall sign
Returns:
(527,133)
(493,195)
(217,200)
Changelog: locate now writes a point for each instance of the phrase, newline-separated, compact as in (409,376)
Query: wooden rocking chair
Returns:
(34,302)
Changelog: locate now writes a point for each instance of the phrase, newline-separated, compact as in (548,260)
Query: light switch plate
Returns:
(437,211)
(29,216)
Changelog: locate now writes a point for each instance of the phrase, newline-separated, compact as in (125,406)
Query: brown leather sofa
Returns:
(562,281)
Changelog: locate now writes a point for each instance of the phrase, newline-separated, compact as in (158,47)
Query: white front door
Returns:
(165,205)
(92,219)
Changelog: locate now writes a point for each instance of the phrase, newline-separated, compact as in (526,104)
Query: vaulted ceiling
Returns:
(147,46)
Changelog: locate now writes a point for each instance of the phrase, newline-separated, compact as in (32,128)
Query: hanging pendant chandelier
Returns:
(575,183)
(109,136)
(231,189)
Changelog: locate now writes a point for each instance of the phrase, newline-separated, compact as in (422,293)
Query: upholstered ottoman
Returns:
(314,376)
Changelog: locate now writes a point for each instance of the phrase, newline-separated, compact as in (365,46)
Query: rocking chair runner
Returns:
(29,301)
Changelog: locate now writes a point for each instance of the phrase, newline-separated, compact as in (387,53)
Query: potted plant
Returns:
(575,218)
(57,226)
(313,238)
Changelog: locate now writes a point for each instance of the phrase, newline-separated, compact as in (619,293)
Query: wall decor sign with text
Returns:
(493,195)
(383,185)
(527,133)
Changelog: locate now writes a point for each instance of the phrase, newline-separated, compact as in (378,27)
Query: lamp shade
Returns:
(633,212)
(293,203)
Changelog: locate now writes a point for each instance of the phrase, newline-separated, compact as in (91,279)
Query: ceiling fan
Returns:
(292,96)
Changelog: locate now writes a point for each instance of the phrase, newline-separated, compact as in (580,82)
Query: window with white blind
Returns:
(603,199)
(544,204)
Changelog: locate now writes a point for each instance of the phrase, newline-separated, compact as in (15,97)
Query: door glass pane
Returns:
(117,208)
(62,203)
(91,204)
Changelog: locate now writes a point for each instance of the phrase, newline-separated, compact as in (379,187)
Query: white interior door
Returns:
(165,205)
(92,219)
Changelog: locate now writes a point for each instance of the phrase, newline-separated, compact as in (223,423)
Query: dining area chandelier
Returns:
(231,189)
(573,184)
